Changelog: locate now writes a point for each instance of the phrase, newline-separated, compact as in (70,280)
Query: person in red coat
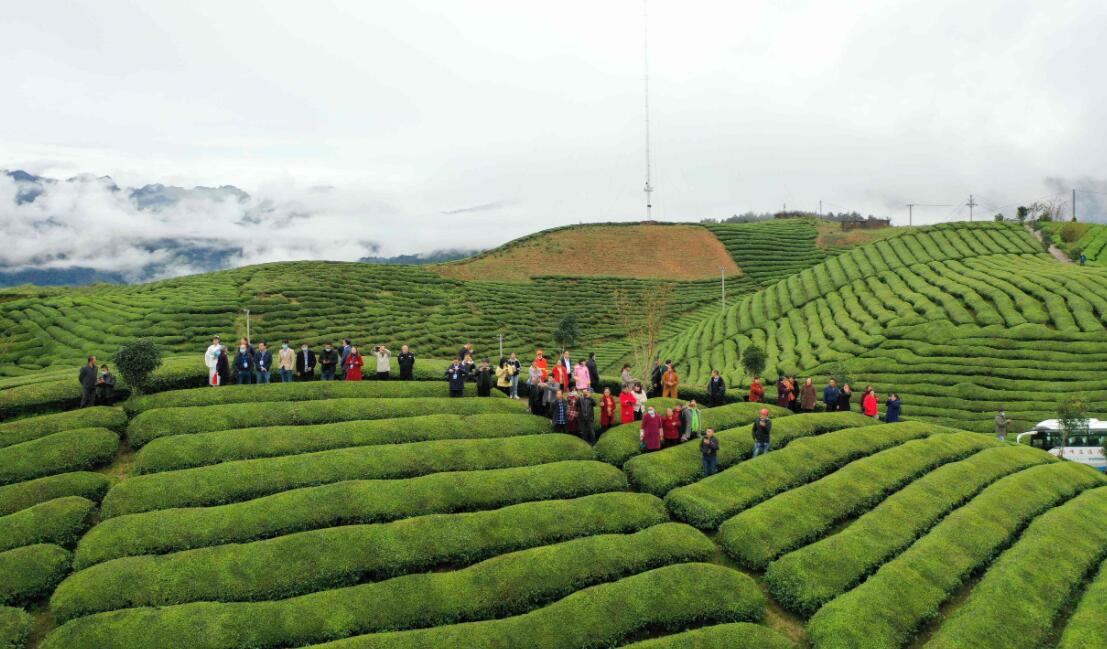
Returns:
(670,428)
(561,375)
(541,363)
(627,400)
(607,410)
(757,391)
(353,365)
(650,431)
(869,402)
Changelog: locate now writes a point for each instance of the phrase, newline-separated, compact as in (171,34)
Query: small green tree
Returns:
(567,332)
(1072,415)
(998,217)
(135,361)
(753,360)
(1021,213)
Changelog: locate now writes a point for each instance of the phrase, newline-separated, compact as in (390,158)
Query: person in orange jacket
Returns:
(541,363)
(670,382)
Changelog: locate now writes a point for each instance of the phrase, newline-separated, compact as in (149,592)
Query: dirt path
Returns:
(1057,253)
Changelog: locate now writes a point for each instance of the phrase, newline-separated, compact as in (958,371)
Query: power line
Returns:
(972,203)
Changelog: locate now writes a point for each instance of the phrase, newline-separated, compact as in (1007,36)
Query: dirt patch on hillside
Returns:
(831,235)
(677,252)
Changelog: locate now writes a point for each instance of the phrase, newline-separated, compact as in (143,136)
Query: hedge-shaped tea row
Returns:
(60,521)
(709,502)
(758,535)
(25,430)
(200,449)
(15,628)
(509,584)
(340,556)
(342,503)
(244,479)
(1085,629)
(620,444)
(736,635)
(889,606)
(31,572)
(1017,601)
(163,422)
(56,453)
(806,579)
(600,616)
(291,392)
(22,495)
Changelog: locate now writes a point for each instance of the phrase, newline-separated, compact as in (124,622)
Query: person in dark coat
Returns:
(655,379)
(105,386)
(593,371)
(716,389)
(709,449)
(87,378)
(263,363)
(783,393)
(830,396)
(329,360)
(484,378)
(893,407)
(762,430)
(456,375)
(305,363)
(406,361)
(844,396)
(223,368)
(243,364)
(550,394)
(587,407)
(347,345)
(559,413)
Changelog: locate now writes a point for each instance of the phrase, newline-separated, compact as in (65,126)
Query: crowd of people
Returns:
(250,365)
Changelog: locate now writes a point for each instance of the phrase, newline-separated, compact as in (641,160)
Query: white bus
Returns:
(1085,448)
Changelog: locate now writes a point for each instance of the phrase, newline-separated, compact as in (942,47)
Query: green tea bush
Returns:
(163,422)
(245,479)
(201,449)
(1019,599)
(736,635)
(341,556)
(509,584)
(15,628)
(60,521)
(1085,628)
(889,606)
(25,430)
(57,453)
(21,495)
(31,572)
(662,471)
(709,502)
(342,503)
(806,579)
(758,535)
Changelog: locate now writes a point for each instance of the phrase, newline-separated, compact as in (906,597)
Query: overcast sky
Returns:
(440,124)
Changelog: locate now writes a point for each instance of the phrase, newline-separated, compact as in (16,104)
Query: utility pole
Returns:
(820,207)
(247,325)
(972,203)
(646,84)
(501,345)
(910,214)
(1074,205)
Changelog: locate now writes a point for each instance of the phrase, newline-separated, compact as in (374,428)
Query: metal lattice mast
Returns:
(646,86)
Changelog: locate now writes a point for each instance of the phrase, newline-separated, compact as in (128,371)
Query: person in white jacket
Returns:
(211,359)
(384,359)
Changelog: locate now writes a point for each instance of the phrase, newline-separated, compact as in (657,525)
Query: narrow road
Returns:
(1053,250)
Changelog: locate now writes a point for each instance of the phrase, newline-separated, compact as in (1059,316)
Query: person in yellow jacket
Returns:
(503,375)
(670,383)
(286,361)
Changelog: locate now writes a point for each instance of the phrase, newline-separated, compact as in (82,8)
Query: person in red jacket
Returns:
(650,431)
(627,401)
(353,365)
(670,428)
(869,402)
(541,363)
(561,375)
(757,391)
(607,410)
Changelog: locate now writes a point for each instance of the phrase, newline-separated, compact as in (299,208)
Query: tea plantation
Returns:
(383,514)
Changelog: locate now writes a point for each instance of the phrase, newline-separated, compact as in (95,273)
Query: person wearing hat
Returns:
(762,428)
(587,406)
(709,449)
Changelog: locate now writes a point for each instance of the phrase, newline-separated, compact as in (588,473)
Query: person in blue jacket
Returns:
(244,363)
(263,362)
(892,409)
(830,396)
(456,375)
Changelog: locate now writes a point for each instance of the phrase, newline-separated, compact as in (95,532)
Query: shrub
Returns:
(341,556)
(806,579)
(200,449)
(342,503)
(244,479)
(60,521)
(1085,629)
(136,361)
(1017,601)
(66,451)
(662,471)
(15,628)
(31,572)
(163,422)
(709,502)
(602,616)
(509,584)
(25,430)
(737,635)
(759,535)
(22,495)
(889,606)
(754,360)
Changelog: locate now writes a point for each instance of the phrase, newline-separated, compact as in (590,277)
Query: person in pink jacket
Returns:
(869,402)
(581,376)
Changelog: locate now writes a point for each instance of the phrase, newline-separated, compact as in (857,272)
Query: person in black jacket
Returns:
(329,359)
(244,364)
(655,379)
(87,377)
(456,375)
(593,372)
(587,406)
(716,389)
(406,361)
(844,396)
(484,378)
(709,449)
(762,428)
(305,363)
(105,385)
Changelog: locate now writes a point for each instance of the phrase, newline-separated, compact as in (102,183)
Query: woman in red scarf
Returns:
(650,432)
(627,400)
(353,365)
(607,410)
